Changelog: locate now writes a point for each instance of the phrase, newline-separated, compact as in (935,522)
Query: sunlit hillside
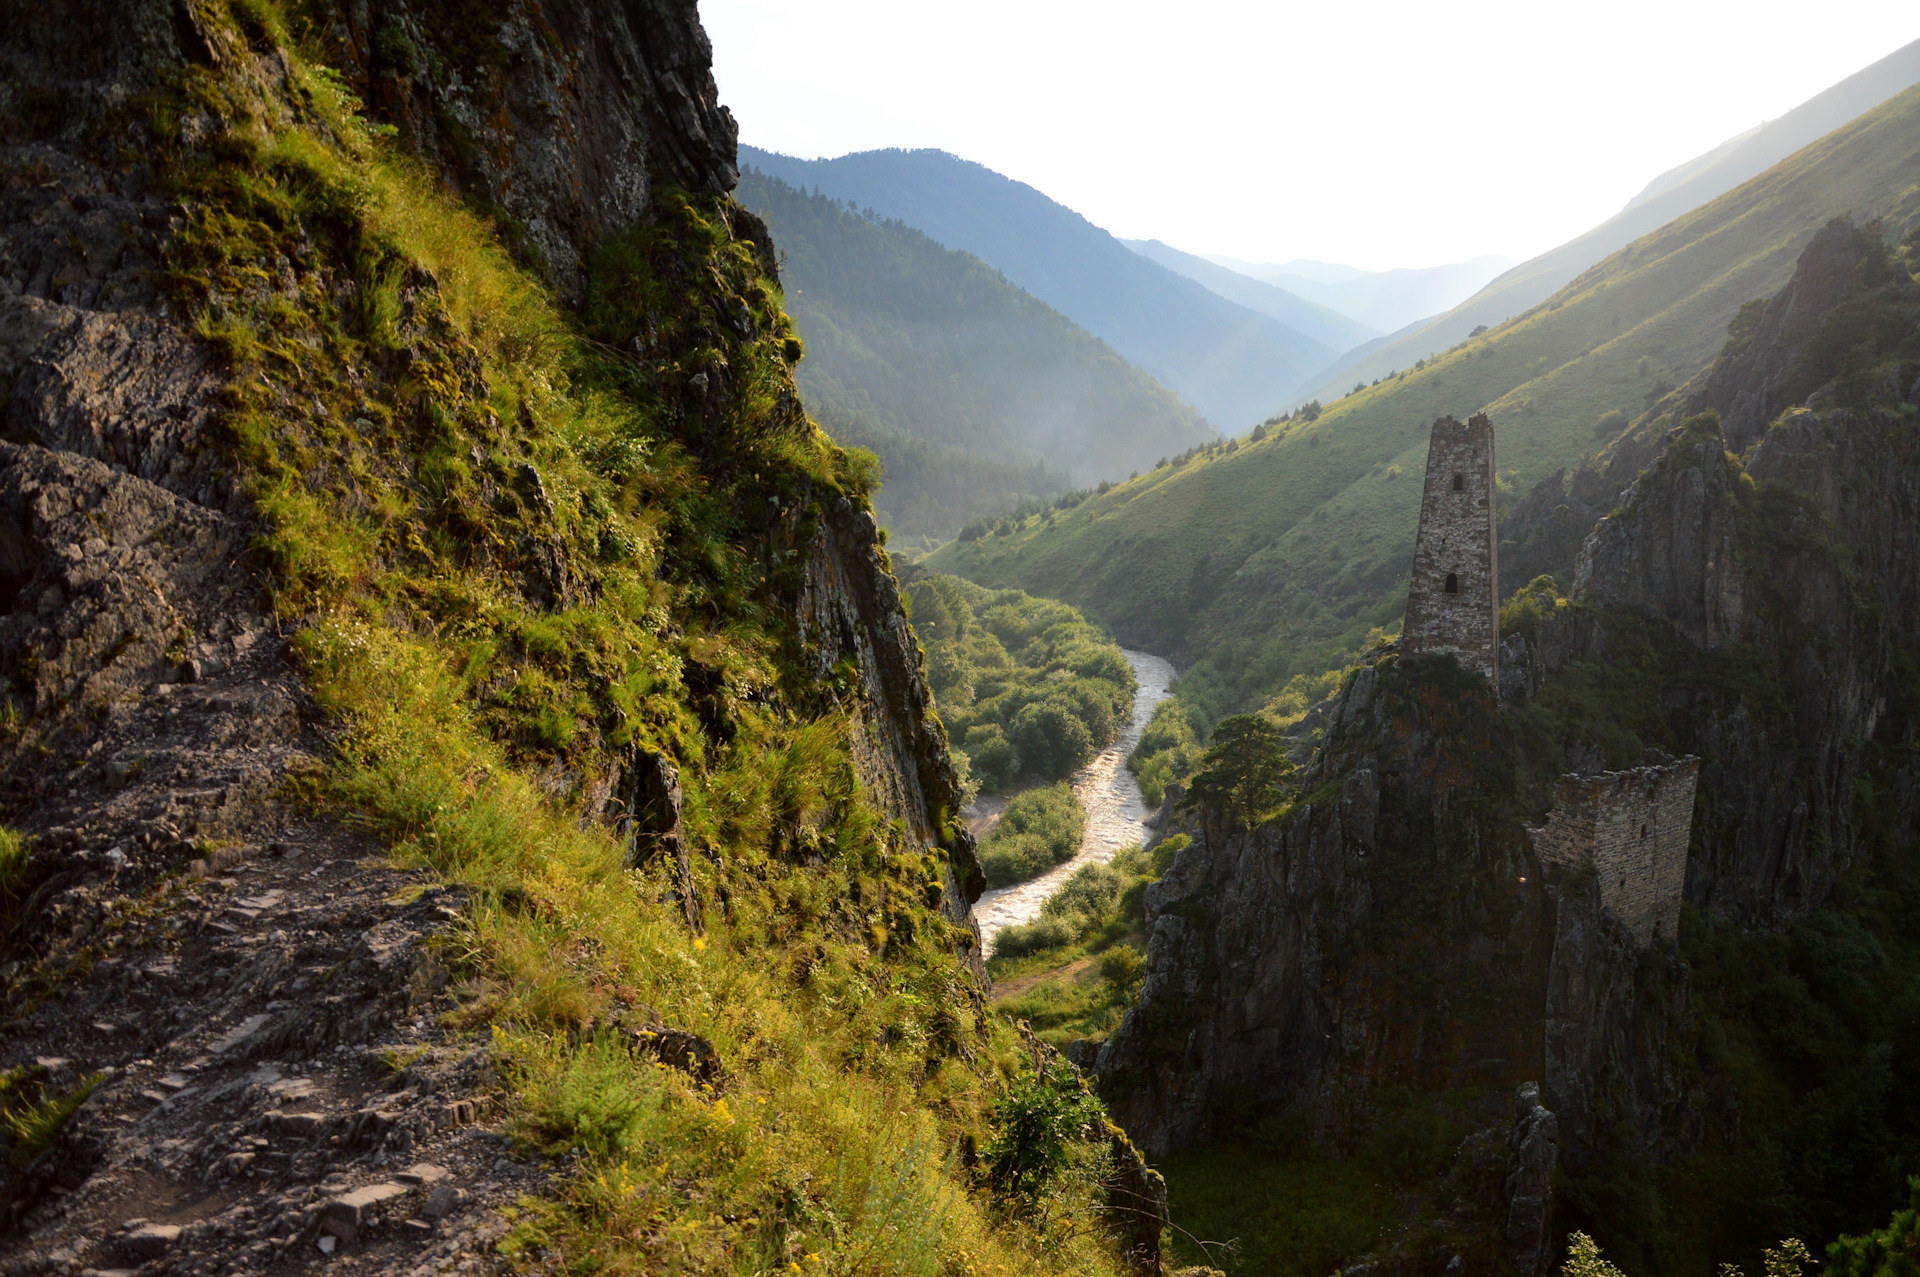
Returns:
(1275,556)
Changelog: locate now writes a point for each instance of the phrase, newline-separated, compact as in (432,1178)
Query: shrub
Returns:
(1885,1252)
(1016,858)
(1091,892)
(1037,1120)
(1169,751)
(1041,828)
(1123,966)
(1583,1259)
(1052,739)
(1033,937)
(994,758)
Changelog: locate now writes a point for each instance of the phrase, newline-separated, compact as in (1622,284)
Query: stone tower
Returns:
(1453,604)
(1634,828)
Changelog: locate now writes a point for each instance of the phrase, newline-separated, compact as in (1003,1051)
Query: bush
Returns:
(995,759)
(1016,858)
(1091,892)
(1052,739)
(1123,966)
(1885,1252)
(1037,1120)
(1041,828)
(1169,751)
(1033,937)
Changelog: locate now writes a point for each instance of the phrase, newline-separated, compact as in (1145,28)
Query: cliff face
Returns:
(1390,929)
(191,939)
(1396,928)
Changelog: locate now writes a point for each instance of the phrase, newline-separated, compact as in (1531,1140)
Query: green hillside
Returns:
(975,393)
(1267,557)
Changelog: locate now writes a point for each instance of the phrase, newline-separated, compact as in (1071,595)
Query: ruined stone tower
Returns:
(1453,604)
(1633,828)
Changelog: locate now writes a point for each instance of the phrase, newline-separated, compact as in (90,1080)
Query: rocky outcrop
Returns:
(1786,348)
(1748,602)
(562,114)
(856,640)
(1391,928)
(242,1001)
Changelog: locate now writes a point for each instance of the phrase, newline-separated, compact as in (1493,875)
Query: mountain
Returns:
(907,341)
(1270,556)
(1666,197)
(1322,323)
(1382,299)
(456,702)
(1234,365)
(1713,921)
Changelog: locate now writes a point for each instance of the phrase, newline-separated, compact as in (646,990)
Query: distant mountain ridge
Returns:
(1385,300)
(1322,323)
(1278,555)
(975,394)
(1233,364)
(1668,196)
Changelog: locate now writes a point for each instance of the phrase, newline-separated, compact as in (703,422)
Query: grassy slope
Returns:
(1280,556)
(412,567)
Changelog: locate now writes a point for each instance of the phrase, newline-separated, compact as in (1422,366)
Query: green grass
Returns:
(511,554)
(1265,1214)
(1278,557)
(31,1116)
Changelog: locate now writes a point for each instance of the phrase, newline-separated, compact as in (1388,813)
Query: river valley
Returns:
(1116,814)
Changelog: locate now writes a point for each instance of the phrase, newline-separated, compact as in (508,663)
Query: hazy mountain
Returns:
(1233,364)
(974,393)
(1384,300)
(1666,197)
(1322,323)
(1277,556)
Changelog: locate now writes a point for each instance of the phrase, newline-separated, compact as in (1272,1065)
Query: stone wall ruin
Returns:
(1633,827)
(1453,601)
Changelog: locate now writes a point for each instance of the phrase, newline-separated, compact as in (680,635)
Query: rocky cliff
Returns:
(1745,601)
(283,389)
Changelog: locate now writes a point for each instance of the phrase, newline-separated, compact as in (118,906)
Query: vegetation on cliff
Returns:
(526,549)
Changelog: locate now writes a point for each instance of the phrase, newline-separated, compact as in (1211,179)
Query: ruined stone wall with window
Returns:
(1633,827)
(1453,602)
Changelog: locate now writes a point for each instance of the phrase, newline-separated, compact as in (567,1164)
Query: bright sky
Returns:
(1379,134)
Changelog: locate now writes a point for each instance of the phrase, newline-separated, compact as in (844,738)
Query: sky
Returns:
(1373,134)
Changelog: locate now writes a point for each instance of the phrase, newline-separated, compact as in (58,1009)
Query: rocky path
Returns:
(1116,814)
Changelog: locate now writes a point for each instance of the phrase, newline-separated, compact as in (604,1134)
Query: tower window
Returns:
(1643,831)
(1453,583)
(1459,483)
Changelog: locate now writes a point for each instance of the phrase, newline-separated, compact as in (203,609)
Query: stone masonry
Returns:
(1633,827)
(1453,603)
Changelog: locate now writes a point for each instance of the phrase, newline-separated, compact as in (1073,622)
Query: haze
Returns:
(1393,134)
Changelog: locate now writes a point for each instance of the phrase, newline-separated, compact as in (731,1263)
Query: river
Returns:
(1116,814)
